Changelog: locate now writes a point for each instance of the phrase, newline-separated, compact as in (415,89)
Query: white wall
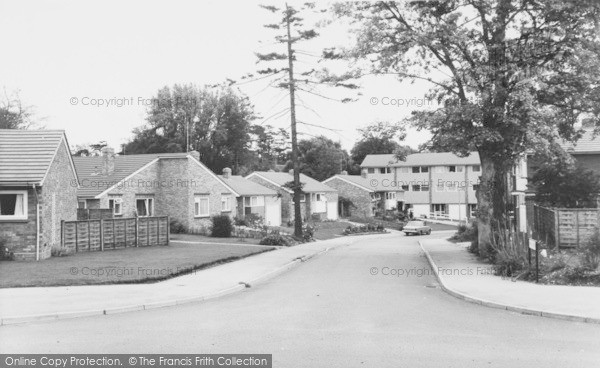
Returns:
(272,210)
(420,209)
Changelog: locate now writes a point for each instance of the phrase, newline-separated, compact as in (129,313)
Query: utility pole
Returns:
(292,88)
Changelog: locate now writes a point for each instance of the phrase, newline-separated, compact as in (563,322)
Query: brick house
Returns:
(254,198)
(363,197)
(163,184)
(317,198)
(38,189)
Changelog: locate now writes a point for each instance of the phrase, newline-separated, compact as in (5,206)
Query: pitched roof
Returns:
(378,160)
(26,155)
(421,159)
(281,178)
(245,187)
(586,145)
(365,183)
(93,183)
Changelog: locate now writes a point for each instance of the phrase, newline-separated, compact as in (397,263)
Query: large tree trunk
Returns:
(492,200)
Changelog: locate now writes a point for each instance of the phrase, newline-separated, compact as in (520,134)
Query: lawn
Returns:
(324,230)
(131,265)
(208,239)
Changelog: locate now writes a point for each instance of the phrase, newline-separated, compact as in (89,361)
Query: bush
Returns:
(466,232)
(590,252)
(222,226)
(308,233)
(5,253)
(240,221)
(176,227)
(369,228)
(509,263)
(276,238)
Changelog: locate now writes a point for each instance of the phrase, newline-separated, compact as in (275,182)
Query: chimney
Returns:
(195,154)
(108,161)
(344,172)
(363,173)
(226,173)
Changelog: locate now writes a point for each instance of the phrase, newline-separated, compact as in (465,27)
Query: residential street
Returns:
(332,312)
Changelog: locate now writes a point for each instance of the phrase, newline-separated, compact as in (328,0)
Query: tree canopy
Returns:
(509,76)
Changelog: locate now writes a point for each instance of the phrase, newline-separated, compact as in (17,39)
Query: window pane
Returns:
(203,206)
(8,204)
(424,169)
(415,169)
(141,207)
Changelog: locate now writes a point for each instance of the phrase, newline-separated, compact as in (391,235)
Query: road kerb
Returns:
(487,303)
(161,304)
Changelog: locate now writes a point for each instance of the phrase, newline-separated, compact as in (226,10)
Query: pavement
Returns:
(462,275)
(19,305)
(373,303)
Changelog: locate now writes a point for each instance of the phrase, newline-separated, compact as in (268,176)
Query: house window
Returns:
(319,197)
(144,207)
(116,205)
(13,205)
(371,170)
(439,208)
(201,206)
(416,188)
(225,203)
(440,169)
(405,188)
(404,169)
(251,201)
(425,188)
(476,168)
(390,195)
(420,169)
(81,204)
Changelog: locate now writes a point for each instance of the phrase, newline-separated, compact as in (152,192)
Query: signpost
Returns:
(533,246)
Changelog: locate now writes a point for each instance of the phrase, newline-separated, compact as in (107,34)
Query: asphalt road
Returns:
(342,309)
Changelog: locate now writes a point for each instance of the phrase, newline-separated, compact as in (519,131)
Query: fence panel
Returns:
(564,227)
(102,234)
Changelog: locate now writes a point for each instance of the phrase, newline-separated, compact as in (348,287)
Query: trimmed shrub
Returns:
(176,227)
(275,238)
(222,226)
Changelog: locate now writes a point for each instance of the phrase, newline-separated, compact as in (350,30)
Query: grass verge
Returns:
(130,265)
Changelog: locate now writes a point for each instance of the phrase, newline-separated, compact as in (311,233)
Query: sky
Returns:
(66,58)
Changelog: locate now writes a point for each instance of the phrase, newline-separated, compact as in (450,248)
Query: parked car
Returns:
(416,227)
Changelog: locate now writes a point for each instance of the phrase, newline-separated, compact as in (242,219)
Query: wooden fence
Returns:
(564,227)
(98,235)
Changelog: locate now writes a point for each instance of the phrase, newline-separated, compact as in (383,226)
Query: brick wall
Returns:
(21,235)
(359,197)
(58,200)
